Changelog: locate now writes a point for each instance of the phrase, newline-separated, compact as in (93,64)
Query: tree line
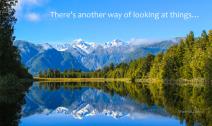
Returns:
(190,58)
(191,105)
(50,73)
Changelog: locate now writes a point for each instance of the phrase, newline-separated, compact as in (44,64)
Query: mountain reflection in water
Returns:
(117,103)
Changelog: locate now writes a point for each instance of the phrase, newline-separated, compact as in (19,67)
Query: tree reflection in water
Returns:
(12,92)
(191,103)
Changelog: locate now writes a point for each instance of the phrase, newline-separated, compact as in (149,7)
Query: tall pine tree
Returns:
(210,36)
(9,56)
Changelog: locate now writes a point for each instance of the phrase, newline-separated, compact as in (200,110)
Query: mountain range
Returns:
(84,56)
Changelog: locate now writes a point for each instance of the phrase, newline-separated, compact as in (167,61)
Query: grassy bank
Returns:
(149,80)
(81,79)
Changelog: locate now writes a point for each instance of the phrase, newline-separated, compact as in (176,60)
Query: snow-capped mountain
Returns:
(82,55)
(86,111)
(84,102)
(88,47)
(62,47)
(84,46)
(78,44)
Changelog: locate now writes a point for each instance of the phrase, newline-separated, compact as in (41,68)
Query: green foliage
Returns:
(155,71)
(12,93)
(189,59)
(10,62)
(210,36)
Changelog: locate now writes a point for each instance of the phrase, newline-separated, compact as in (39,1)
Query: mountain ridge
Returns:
(81,55)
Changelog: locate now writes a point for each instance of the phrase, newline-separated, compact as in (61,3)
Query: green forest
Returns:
(190,59)
(10,61)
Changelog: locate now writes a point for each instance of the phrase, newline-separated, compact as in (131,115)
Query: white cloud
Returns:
(141,41)
(33,17)
(142,115)
(33,2)
(22,3)
(24,9)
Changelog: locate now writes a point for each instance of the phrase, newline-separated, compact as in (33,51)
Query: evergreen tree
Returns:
(10,62)
(171,64)
(145,66)
(156,68)
(204,40)
(204,36)
(190,39)
(208,65)
(197,63)
(210,37)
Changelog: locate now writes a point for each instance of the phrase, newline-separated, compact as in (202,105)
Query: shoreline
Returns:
(81,79)
(150,80)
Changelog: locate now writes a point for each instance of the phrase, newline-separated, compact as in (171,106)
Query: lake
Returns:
(112,104)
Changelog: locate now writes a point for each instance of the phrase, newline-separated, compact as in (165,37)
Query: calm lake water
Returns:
(114,104)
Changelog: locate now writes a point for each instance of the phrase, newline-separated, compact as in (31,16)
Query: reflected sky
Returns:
(97,120)
(89,106)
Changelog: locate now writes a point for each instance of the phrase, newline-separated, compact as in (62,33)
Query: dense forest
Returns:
(190,58)
(10,61)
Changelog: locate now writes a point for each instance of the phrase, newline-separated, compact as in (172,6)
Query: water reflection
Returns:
(128,104)
(12,92)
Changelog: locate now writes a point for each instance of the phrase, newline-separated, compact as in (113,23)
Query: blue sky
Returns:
(36,25)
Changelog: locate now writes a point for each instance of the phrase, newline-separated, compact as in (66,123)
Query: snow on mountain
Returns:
(114,114)
(114,43)
(78,44)
(89,110)
(88,47)
(89,56)
(84,46)
(62,110)
(85,111)
(62,47)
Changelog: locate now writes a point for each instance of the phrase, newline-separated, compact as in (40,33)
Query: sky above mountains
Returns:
(35,22)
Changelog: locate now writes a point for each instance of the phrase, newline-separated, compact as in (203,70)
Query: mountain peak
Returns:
(86,111)
(84,46)
(78,41)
